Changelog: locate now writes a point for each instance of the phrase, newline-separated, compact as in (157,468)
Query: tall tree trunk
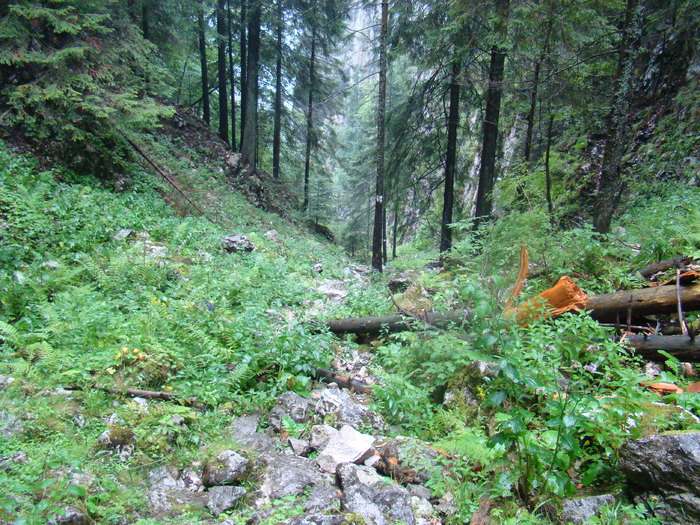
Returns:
(244,65)
(395,233)
(145,21)
(450,160)
(381,109)
(232,73)
(487,170)
(309,120)
(277,132)
(249,139)
(221,60)
(533,108)
(203,63)
(129,9)
(611,183)
(534,89)
(548,178)
(385,256)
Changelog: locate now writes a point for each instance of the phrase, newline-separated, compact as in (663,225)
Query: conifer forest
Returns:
(349,262)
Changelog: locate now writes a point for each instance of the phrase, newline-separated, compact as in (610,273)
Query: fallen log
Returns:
(395,323)
(661,266)
(605,307)
(645,301)
(681,347)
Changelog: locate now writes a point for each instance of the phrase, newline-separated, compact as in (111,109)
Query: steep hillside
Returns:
(134,289)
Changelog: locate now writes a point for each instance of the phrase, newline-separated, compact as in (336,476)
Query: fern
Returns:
(239,377)
(9,334)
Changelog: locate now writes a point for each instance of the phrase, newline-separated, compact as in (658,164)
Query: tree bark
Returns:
(533,108)
(329,376)
(680,346)
(648,271)
(395,225)
(450,161)
(656,300)
(487,170)
(146,394)
(249,137)
(646,301)
(221,62)
(309,120)
(145,21)
(203,63)
(232,75)
(244,64)
(611,184)
(534,90)
(384,237)
(277,132)
(547,175)
(394,323)
(377,262)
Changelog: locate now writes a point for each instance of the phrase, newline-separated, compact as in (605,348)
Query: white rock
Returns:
(348,446)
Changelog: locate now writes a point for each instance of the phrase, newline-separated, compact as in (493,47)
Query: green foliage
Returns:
(664,224)
(163,309)
(76,74)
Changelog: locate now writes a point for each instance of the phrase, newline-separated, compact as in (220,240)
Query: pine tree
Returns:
(249,142)
(203,63)
(377,236)
(487,171)
(221,40)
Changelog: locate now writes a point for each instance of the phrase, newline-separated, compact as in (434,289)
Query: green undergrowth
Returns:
(544,423)
(164,308)
(83,302)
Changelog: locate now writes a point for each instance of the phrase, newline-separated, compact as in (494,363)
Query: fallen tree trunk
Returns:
(681,347)
(395,323)
(606,307)
(646,301)
(648,271)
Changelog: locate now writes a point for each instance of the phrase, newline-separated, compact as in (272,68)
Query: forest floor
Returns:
(103,291)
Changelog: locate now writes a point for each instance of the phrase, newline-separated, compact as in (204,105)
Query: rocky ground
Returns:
(326,459)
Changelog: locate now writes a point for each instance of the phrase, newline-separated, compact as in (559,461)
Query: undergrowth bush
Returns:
(565,398)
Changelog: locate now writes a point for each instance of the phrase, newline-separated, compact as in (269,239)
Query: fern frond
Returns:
(239,377)
(9,333)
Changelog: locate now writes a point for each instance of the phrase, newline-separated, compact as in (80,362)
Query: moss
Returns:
(121,437)
(354,519)
(662,418)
